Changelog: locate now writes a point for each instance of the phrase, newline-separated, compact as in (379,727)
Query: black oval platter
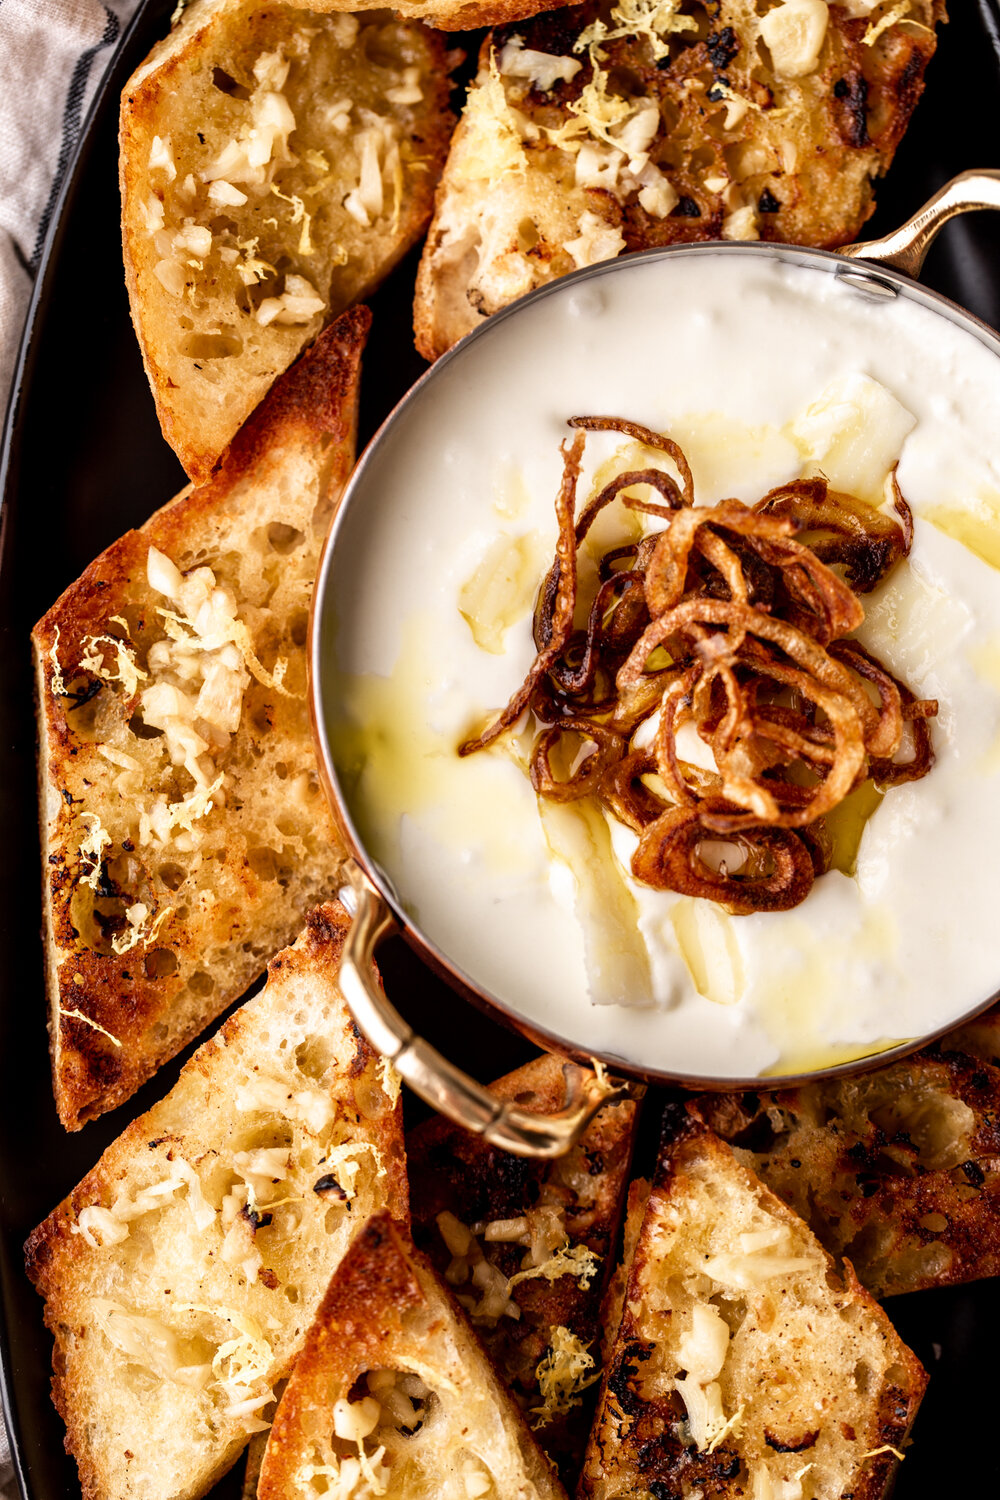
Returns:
(83,460)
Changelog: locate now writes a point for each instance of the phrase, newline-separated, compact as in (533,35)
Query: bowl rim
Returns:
(879,282)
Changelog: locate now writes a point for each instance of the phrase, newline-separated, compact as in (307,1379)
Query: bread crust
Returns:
(134,1430)
(208,356)
(454,1172)
(116,1017)
(899,1169)
(385,1309)
(797,1339)
(740,152)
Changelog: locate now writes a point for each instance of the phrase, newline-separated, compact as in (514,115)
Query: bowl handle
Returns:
(906,247)
(450,1091)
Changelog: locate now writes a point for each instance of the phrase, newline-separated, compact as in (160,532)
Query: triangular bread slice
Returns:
(746,1363)
(181,1275)
(601,128)
(185,832)
(483,1217)
(896,1168)
(275,165)
(393,1395)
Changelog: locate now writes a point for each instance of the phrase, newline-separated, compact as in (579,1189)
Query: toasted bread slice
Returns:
(275,165)
(483,1216)
(180,1277)
(392,1387)
(744,1358)
(899,1169)
(184,828)
(602,128)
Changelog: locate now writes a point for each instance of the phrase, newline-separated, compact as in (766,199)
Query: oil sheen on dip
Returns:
(754,366)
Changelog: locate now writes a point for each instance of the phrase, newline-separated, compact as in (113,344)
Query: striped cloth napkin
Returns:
(53,54)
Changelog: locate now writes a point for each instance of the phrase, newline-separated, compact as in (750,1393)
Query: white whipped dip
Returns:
(755,367)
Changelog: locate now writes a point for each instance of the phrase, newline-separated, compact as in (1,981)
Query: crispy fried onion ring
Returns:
(727,623)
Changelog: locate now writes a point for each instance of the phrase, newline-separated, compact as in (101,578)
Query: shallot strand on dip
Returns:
(730,620)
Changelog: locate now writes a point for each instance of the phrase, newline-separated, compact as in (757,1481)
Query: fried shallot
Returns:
(729,623)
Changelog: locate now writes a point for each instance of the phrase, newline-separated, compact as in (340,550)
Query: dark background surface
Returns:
(84,461)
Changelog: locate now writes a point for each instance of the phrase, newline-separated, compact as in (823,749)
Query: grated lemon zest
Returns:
(137,916)
(576,1260)
(654,19)
(892,16)
(389,1079)
(341,1156)
(562,1374)
(732,1424)
(78,1015)
(58,685)
(128,673)
(92,848)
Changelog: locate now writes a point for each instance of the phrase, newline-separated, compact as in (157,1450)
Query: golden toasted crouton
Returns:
(275,165)
(185,832)
(483,1216)
(393,1396)
(898,1169)
(744,1359)
(181,1275)
(618,126)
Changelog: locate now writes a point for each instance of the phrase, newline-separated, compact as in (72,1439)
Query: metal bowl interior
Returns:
(376,504)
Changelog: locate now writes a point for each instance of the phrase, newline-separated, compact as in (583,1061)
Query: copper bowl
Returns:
(879,270)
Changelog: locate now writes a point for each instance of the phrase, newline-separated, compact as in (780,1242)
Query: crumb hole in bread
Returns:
(333,1220)
(201,983)
(281,770)
(284,538)
(527,235)
(159,963)
(92,716)
(172,876)
(260,718)
(158,1033)
(228,85)
(264,863)
(210,346)
(291,1294)
(124,871)
(314,1056)
(298,628)
(381,45)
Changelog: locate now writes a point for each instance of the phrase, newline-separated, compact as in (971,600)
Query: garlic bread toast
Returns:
(898,1169)
(275,165)
(182,1273)
(484,1217)
(745,1362)
(626,124)
(392,1394)
(184,829)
